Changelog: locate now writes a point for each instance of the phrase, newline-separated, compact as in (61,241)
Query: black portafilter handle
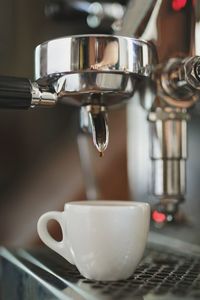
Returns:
(15,92)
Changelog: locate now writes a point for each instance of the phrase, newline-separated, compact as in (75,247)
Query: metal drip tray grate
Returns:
(163,274)
(160,273)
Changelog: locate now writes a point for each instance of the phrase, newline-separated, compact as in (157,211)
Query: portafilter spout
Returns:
(93,120)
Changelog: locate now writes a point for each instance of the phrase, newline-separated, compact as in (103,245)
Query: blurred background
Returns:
(40,167)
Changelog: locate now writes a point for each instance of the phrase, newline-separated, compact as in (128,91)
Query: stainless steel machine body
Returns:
(172,26)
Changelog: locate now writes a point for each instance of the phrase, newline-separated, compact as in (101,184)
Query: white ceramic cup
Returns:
(104,239)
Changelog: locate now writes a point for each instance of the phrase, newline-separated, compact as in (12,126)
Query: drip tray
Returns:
(42,274)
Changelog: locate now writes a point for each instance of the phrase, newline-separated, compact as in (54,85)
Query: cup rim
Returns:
(107,203)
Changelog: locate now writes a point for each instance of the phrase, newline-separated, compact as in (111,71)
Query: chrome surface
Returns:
(93,119)
(168,153)
(174,35)
(168,177)
(42,98)
(169,132)
(92,53)
(93,71)
(93,88)
(178,81)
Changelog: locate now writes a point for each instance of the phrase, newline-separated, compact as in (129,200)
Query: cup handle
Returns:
(61,247)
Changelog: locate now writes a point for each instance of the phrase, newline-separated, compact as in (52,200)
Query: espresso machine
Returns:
(150,64)
(141,61)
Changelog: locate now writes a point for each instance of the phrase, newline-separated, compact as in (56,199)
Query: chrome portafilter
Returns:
(93,72)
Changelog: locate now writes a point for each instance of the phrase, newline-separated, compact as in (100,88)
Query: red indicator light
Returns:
(178,4)
(158,217)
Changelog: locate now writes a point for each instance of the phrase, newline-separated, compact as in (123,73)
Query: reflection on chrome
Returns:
(109,59)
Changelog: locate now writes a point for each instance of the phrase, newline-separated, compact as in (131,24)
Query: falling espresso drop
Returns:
(100,154)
